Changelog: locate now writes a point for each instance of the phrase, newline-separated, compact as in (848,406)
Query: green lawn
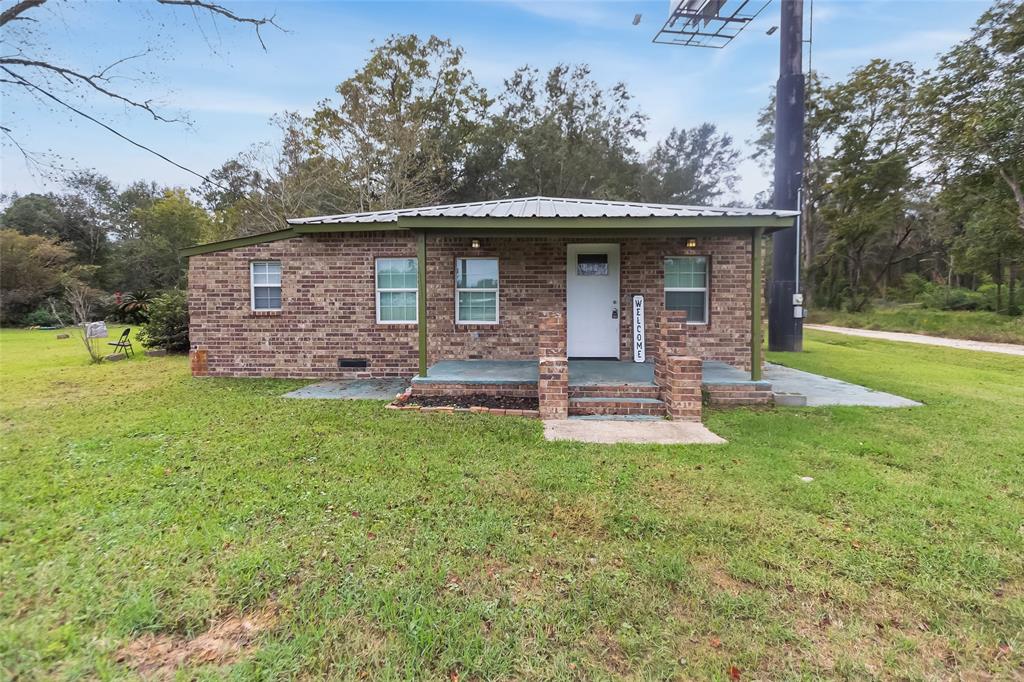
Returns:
(139,507)
(978,325)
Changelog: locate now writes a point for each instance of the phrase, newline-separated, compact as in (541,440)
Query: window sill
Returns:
(265,313)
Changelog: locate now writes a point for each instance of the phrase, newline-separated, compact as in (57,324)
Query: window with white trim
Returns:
(265,284)
(396,290)
(476,291)
(686,287)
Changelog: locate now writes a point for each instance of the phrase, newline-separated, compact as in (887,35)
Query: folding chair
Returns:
(123,342)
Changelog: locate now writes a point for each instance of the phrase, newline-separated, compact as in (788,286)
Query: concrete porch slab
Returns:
(823,391)
(610,431)
(352,389)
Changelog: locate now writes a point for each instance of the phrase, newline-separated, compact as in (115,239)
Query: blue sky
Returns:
(215,73)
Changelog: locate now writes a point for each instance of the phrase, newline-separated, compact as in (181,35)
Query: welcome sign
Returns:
(639,343)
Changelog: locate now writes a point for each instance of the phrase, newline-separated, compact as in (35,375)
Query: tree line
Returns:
(911,191)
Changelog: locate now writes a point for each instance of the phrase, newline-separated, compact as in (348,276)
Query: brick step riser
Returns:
(625,392)
(621,409)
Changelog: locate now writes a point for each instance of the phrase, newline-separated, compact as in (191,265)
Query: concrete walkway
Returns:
(661,432)
(822,391)
(352,389)
(962,344)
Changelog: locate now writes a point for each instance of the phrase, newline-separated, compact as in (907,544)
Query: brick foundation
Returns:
(433,388)
(730,395)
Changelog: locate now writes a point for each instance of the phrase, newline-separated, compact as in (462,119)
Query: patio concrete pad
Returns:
(609,431)
(822,391)
(352,389)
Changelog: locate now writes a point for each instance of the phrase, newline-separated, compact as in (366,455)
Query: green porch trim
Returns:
(628,224)
(226,244)
(756,276)
(421,297)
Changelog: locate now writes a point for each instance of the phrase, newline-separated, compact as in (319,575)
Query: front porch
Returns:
(595,387)
(582,373)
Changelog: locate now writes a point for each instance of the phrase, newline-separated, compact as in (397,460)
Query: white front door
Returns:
(592,300)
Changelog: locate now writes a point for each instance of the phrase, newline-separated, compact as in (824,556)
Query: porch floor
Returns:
(581,373)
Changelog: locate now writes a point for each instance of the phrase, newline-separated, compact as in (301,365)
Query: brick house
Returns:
(518,281)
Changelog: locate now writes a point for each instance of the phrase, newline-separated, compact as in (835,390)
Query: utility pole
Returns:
(785,302)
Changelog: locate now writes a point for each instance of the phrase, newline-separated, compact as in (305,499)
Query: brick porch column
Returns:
(552,366)
(677,375)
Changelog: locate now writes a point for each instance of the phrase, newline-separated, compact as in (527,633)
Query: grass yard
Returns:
(977,325)
(143,512)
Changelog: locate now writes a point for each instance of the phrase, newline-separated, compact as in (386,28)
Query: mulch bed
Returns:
(492,402)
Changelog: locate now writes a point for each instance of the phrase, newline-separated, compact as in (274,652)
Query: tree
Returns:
(33,214)
(870,183)
(32,269)
(403,124)
(973,102)
(563,136)
(696,167)
(82,300)
(172,223)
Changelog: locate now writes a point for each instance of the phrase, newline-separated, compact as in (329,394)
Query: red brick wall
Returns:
(329,306)
(328,309)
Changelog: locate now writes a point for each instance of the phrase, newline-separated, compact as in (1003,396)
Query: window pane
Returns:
(687,272)
(478,306)
(397,306)
(690,301)
(266,273)
(267,298)
(476,273)
(273,273)
(396,273)
(592,264)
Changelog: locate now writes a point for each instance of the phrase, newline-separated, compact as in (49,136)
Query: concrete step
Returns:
(613,391)
(619,417)
(616,406)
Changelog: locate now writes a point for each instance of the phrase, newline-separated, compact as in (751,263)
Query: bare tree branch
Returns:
(214,8)
(32,86)
(14,12)
(92,81)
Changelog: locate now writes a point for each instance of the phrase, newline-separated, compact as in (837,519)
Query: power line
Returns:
(29,84)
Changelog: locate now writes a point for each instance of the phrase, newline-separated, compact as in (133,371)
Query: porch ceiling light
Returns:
(475,243)
(691,243)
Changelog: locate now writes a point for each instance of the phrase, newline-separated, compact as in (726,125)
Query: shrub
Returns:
(134,306)
(950,298)
(911,286)
(40,317)
(167,326)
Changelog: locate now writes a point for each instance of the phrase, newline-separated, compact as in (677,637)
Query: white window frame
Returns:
(378,290)
(252,286)
(496,290)
(706,288)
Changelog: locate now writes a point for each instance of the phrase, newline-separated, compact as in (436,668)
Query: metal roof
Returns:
(544,207)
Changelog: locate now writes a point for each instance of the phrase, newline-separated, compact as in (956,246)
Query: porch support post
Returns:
(756,295)
(421,297)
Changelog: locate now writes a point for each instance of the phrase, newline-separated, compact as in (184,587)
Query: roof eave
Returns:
(770,223)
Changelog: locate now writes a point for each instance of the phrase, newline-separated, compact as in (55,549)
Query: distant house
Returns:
(397,293)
